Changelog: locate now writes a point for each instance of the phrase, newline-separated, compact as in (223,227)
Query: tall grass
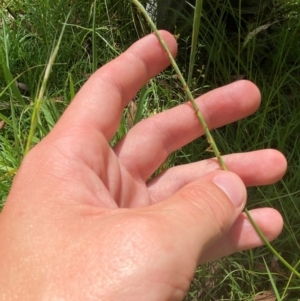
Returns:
(262,47)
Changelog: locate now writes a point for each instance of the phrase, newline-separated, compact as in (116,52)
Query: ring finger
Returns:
(256,168)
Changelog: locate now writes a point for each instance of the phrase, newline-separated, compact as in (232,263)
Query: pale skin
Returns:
(83,223)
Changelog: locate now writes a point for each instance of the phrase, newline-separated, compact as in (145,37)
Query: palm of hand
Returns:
(77,238)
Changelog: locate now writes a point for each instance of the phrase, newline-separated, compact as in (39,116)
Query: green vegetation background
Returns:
(256,40)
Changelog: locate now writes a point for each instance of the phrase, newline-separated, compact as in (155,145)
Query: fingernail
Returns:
(232,186)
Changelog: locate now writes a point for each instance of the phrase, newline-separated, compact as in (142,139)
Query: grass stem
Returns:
(206,129)
(40,97)
(185,86)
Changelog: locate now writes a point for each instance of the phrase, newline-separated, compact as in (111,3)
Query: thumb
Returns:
(203,211)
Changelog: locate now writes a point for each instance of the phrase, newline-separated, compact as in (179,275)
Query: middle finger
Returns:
(150,142)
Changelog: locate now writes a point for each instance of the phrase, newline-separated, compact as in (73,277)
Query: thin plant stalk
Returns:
(239,36)
(185,86)
(266,242)
(285,292)
(10,80)
(273,282)
(95,52)
(109,21)
(39,99)
(206,130)
(195,35)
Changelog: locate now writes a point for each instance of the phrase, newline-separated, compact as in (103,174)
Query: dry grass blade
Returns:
(130,117)
(2,124)
(265,296)
(256,31)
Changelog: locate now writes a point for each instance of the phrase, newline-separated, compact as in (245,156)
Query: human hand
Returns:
(82,222)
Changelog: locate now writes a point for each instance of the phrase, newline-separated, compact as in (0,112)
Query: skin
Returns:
(81,221)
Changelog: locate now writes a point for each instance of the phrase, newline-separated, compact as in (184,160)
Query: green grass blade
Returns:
(4,59)
(266,242)
(71,86)
(195,35)
(140,106)
(14,92)
(6,120)
(122,130)
(278,298)
(95,56)
(10,80)
(38,101)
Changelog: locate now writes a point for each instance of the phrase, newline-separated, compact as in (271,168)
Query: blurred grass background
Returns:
(255,40)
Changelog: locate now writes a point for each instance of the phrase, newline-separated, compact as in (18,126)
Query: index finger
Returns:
(100,102)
